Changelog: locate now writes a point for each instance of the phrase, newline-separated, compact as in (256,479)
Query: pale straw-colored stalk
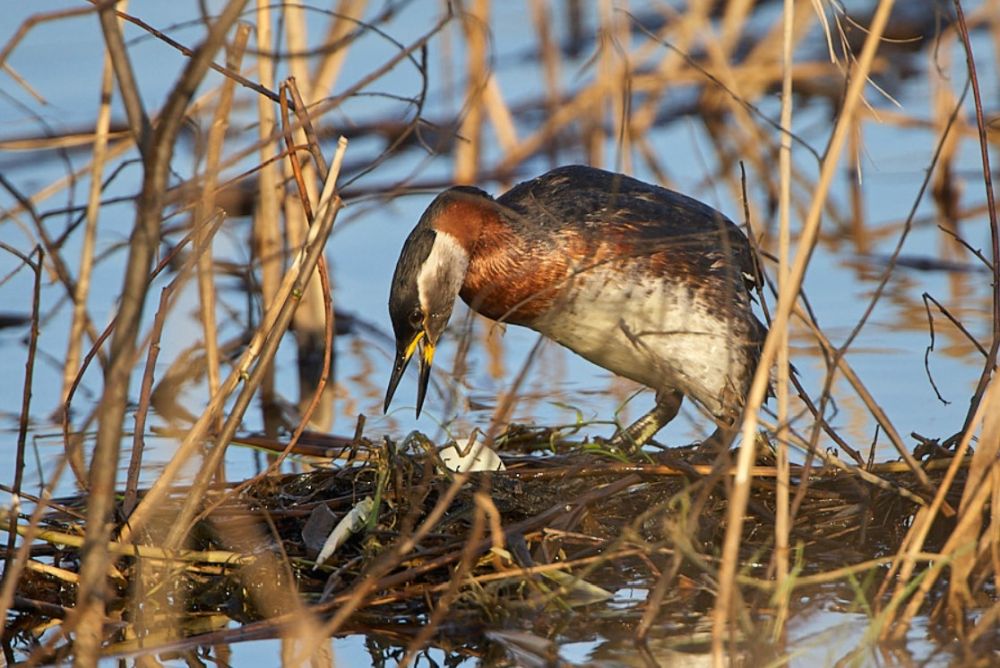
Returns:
(475,27)
(99,154)
(267,214)
(782,520)
(204,209)
(195,436)
(741,486)
(328,69)
(308,322)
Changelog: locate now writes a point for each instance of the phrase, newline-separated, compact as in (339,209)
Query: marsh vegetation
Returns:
(200,205)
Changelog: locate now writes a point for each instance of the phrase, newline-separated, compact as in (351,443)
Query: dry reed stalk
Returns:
(991,361)
(328,69)
(302,116)
(69,577)
(591,119)
(782,522)
(222,557)
(267,338)
(835,574)
(23,83)
(323,275)
(960,546)
(734,17)
(982,477)
(168,297)
(157,148)
(761,69)
(499,115)
(505,130)
(615,74)
(309,318)
(304,421)
(265,234)
(189,74)
(902,569)
(297,41)
(475,28)
(114,44)
(968,541)
(550,59)
(681,31)
(147,594)
(145,392)
(859,230)
(99,155)
(741,487)
(204,209)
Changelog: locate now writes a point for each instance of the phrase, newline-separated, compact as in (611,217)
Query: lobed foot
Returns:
(632,438)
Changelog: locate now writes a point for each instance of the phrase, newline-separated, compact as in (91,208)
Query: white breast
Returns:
(658,333)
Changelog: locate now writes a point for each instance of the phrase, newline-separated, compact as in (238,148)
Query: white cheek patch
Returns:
(442,275)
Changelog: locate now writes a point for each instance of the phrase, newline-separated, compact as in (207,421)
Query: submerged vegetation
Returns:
(303,119)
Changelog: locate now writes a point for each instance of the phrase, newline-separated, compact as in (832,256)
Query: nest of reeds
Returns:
(462,553)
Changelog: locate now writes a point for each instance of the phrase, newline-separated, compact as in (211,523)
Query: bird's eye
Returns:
(416,318)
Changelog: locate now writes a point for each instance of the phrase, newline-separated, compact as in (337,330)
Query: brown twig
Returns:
(167,297)
(114,42)
(11,570)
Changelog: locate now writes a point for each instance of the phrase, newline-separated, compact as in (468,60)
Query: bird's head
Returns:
(429,275)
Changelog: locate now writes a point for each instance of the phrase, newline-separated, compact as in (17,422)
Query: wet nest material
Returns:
(553,539)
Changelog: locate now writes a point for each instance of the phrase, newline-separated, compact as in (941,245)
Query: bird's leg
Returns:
(720,439)
(639,432)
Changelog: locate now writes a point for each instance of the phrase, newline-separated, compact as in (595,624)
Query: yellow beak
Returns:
(403,356)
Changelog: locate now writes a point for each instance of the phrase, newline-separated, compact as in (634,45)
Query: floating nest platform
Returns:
(469,561)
